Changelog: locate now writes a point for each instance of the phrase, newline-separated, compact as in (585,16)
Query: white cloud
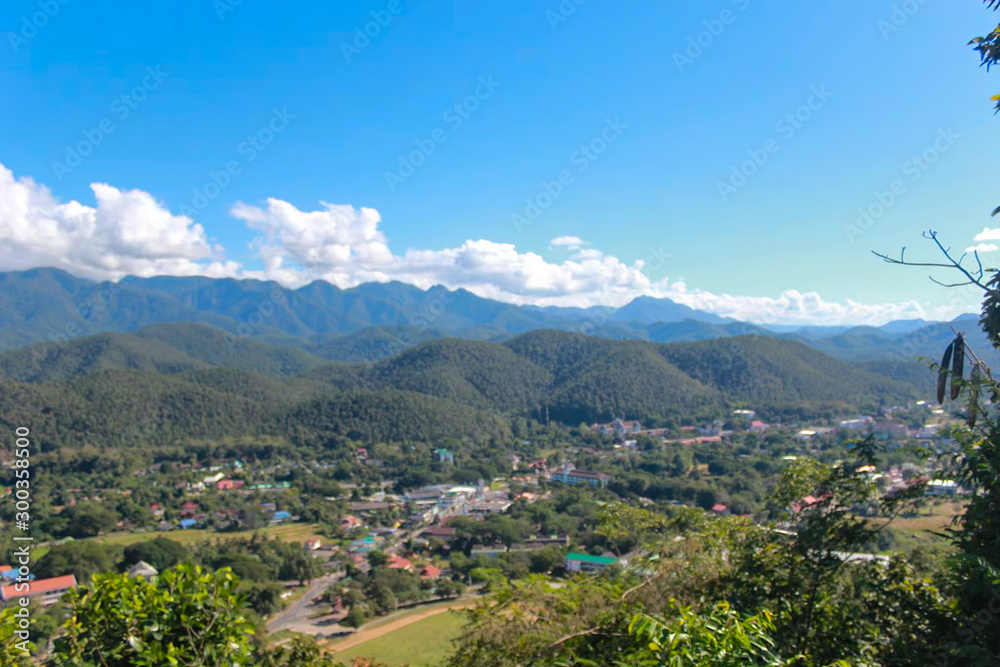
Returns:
(987,235)
(130,233)
(568,241)
(127,233)
(793,307)
(982,247)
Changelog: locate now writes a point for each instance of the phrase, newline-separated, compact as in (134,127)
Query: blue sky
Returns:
(873,84)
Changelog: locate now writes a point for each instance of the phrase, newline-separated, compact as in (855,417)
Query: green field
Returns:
(289,532)
(424,643)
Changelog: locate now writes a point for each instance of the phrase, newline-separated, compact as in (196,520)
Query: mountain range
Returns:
(376,320)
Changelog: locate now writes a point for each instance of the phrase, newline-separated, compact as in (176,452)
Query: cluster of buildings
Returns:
(569,474)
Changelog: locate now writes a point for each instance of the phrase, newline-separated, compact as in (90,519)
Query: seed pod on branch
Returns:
(957,366)
(943,372)
(973,395)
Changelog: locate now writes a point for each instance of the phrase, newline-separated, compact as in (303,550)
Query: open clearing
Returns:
(934,518)
(421,638)
(289,532)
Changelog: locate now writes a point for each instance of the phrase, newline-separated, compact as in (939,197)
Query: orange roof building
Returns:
(47,591)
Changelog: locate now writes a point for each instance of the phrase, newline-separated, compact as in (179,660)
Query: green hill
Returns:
(163,348)
(122,409)
(768,370)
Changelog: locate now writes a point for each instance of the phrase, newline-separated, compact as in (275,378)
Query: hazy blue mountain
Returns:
(646,309)
(374,320)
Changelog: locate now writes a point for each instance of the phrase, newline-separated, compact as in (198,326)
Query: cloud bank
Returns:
(128,232)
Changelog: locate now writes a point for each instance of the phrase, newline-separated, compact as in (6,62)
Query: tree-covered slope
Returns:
(768,370)
(163,348)
(122,409)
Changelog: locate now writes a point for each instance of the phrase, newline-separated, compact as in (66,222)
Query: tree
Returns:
(265,598)
(356,616)
(989,49)
(15,628)
(719,637)
(161,553)
(81,559)
(89,519)
(189,616)
(377,558)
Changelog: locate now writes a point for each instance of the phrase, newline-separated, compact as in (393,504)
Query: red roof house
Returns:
(399,563)
(48,591)
(430,572)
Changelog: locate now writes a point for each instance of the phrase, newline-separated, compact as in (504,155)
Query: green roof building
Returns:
(586,563)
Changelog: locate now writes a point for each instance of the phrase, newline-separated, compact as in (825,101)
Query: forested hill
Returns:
(191,381)
(140,409)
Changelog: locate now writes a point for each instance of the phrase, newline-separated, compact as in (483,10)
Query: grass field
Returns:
(933,518)
(289,532)
(424,643)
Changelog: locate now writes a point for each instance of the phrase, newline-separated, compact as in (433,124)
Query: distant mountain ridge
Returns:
(375,320)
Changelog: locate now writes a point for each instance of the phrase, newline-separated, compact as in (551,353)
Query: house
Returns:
(212,480)
(942,487)
(399,563)
(758,426)
(188,510)
(46,591)
(144,570)
(188,523)
(363,545)
(719,508)
(617,427)
(430,572)
(229,484)
(313,544)
(350,522)
(570,475)
(156,510)
(443,456)
(860,424)
(280,516)
(893,430)
(552,541)
(586,563)
(488,550)
(438,531)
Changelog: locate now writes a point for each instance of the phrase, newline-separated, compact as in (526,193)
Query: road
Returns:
(296,616)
